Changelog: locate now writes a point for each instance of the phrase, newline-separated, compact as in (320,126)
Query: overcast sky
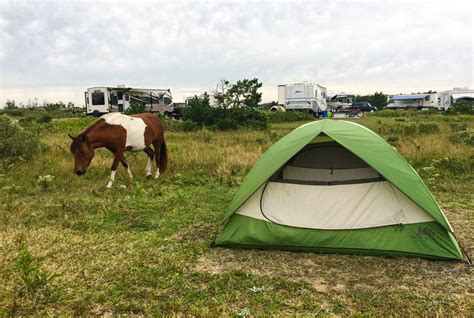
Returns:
(56,49)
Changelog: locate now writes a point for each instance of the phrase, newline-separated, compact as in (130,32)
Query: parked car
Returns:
(364,107)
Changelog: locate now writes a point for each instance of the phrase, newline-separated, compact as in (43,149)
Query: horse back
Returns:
(154,128)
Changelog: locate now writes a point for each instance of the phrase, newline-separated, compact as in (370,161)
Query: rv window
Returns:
(167,100)
(126,97)
(98,98)
(316,93)
(427,98)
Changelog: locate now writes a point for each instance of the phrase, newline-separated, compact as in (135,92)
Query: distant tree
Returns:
(244,93)
(10,104)
(220,93)
(378,99)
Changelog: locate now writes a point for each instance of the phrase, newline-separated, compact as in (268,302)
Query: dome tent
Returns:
(336,186)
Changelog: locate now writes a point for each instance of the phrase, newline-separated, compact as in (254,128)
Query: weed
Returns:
(16,144)
(45,181)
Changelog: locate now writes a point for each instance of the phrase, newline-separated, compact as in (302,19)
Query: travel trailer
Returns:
(102,100)
(447,98)
(417,101)
(303,96)
(212,99)
(341,101)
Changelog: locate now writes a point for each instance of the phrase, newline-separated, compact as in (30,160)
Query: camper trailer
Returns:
(415,101)
(102,100)
(341,102)
(212,100)
(302,96)
(447,98)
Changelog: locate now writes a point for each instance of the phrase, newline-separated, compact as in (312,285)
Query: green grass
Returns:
(69,246)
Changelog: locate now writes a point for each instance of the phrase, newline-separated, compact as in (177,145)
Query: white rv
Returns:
(417,101)
(341,101)
(212,99)
(303,96)
(101,100)
(447,98)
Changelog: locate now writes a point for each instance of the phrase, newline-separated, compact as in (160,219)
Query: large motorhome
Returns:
(302,96)
(102,100)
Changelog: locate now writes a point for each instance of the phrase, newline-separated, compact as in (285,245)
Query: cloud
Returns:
(363,46)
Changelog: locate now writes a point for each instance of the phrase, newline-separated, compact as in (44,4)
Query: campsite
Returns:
(70,246)
(236,158)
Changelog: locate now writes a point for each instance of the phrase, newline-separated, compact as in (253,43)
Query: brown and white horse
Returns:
(119,133)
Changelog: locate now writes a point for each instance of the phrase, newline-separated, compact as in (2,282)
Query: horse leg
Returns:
(113,170)
(125,165)
(157,146)
(151,155)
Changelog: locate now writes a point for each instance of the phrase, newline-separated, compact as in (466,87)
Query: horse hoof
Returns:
(148,176)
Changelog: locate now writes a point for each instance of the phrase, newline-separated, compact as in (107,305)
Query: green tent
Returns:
(337,187)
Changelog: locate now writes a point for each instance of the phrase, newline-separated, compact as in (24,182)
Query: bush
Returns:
(202,114)
(410,129)
(15,142)
(188,125)
(463,136)
(44,119)
(135,107)
(461,107)
(458,126)
(280,117)
(15,112)
(427,128)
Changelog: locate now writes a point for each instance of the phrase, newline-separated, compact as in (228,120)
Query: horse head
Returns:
(83,153)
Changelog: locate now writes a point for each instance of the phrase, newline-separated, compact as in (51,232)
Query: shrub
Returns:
(135,107)
(279,117)
(15,112)
(202,114)
(44,118)
(16,143)
(410,129)
(464,137)
(27,121)
(427,128)
(188,125)
(461,107)
(458,126)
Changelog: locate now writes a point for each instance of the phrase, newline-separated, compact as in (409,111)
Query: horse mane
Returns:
(92,125)
(83,135)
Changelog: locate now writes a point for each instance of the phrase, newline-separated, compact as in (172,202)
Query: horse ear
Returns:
(71,136)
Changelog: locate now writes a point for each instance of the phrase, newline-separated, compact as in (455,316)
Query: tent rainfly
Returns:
(337,187)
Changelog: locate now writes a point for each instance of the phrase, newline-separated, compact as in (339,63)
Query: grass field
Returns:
(69,246)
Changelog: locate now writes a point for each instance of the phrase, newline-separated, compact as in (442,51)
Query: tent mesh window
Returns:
(326,164)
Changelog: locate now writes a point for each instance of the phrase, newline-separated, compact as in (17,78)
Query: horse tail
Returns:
(163,156)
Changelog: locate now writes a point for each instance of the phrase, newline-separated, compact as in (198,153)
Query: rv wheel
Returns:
(96,113)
